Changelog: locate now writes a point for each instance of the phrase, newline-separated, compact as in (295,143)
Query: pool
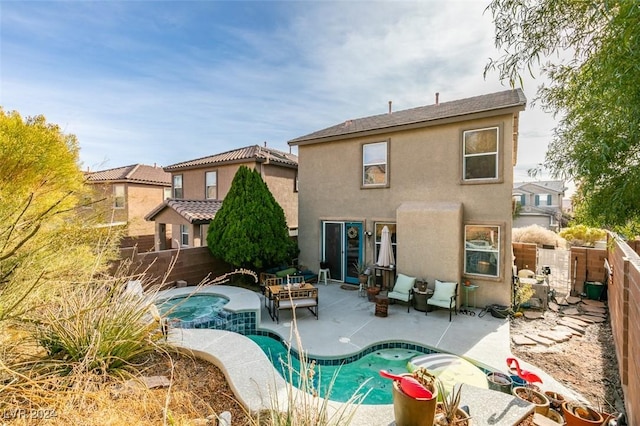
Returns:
(349,375)
(194,309)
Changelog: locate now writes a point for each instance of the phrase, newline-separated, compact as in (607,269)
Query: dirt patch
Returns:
(586,364)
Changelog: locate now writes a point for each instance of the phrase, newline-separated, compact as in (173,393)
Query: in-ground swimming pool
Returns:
(197,308)
(349,375)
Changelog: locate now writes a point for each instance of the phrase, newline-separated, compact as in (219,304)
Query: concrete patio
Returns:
(346,325)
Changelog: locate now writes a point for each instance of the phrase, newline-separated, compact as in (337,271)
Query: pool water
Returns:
(192,308)
(349,376)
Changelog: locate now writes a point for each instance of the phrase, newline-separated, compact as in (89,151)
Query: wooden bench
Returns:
(296,298)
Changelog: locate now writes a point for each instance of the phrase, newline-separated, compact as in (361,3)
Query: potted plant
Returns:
(527,393)
(410,411)
(577,414)
(362,270)
(448,412)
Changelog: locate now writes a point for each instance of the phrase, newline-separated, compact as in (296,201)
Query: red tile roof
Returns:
(253,152)
(194,211)
(416,116)
(138,173)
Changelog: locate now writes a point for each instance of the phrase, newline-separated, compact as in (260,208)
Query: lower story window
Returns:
(184,235)
(482,250)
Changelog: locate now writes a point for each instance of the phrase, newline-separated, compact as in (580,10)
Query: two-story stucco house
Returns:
(440,177)
(539,203)
(199,187)
(127,194)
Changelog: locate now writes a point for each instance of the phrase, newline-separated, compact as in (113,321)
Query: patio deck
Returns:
(346,325)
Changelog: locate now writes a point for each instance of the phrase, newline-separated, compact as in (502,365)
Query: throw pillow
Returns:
(285,272)
(444,290)
(404,283)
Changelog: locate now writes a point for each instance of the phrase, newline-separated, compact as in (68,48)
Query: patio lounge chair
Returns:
(403,289)
(444,296)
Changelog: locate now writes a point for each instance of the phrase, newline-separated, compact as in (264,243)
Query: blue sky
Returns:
(168,81)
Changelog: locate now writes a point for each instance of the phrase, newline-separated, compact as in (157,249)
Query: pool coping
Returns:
(258,386)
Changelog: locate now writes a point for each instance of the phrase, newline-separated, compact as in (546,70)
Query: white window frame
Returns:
(177,179)
(466,136)
(207,185)
(377,236)
(184,235)
(482,244)
(166,193)
(369,160)
(119,199)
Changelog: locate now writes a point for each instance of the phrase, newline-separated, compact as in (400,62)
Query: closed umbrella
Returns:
(385,257)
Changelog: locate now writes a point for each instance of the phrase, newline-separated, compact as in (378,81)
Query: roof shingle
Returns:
(194,211)
(253,152)
(138,173)
(423,114)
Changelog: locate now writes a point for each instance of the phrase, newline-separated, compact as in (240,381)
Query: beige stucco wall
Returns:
(425,165)
(193,180)
(281,181)
(141,199)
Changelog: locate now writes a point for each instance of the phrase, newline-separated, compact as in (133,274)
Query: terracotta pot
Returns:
(372,292)
(539,399)
(409,411)
(555,400)
(460,414)
(576,414)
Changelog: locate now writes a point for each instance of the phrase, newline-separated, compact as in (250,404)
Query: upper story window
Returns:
(166,194)
(480,148)
(118,196)
(177,186)
(211,185)
(543,200)
(295,183)
(375,164)
(482,250)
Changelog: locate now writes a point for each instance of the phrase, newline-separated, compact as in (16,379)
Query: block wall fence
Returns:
(623,291)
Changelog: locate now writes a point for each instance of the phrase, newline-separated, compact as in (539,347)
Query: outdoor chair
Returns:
(444,296)
(403,289)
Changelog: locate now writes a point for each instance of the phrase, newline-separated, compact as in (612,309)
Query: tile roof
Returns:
(194,211)
(138,173)
(253,152)
(419,115)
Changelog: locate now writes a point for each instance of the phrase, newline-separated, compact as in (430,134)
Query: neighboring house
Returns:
(199,186)
(127,194)
(440,177)
(538,203)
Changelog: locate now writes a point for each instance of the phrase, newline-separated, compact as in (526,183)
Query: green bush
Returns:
(582,235)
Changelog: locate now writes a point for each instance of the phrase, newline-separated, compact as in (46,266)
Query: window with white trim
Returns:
(166,194)
(211,185)
(184,235)
(118,196)
(482,250)
(378,226)
(375,170)
(480,154)
(177,186)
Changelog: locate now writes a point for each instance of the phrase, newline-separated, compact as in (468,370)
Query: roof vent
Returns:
(347,123)
(390,102)
(437,98)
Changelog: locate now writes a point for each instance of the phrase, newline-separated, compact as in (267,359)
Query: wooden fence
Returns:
(526,255)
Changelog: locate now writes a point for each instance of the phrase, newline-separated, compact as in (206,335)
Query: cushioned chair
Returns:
(445,296)
(403,289)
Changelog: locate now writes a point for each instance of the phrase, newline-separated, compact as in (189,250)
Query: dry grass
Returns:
(538,235)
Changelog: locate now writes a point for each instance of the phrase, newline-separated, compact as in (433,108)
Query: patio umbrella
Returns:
(385,257)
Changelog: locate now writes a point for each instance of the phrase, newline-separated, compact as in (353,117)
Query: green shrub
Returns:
(582,235)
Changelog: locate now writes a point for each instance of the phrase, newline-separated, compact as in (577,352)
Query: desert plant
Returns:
(427,379)
(450,404)
(582,235)
(523,294)
(536,234)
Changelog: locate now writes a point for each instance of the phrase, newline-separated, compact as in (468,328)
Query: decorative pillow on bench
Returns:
(285,272)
